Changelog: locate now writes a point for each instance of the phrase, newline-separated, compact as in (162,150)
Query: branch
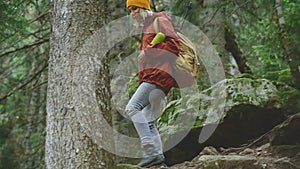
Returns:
(153,5)
(40,16)
(215,13)
(39,31)
(247,10)
(36,150)
(25,83)
(240,6)
(25,47)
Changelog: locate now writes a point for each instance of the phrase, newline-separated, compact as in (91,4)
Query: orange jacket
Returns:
(157,67)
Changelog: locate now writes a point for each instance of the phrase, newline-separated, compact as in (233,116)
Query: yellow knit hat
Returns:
(139,3)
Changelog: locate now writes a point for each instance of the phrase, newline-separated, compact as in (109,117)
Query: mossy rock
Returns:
(234,104)
(290,99)
(229,161)
(282,76)
(128,166)
(246,75)
(285,133)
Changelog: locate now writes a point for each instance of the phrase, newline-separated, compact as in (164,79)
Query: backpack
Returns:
(186,64)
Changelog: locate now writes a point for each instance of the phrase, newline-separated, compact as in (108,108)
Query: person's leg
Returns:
(155,151)
(142,109)
(134,110)
(156,138)
(152,112)
(155,100)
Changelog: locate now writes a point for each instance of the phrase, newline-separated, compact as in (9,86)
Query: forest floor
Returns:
(262,157)
(278,148)
(256,157)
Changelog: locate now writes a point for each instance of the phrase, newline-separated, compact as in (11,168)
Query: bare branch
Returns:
(31,78)
(239,7)
(25,47)
(40,16)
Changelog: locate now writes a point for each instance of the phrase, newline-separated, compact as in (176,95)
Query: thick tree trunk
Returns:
(67,144)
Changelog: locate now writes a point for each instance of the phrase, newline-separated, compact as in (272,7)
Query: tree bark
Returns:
(67,144)
(213,23)
(234,49)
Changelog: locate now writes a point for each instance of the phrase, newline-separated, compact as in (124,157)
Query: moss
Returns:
(212,166)
(246,75)
(127,166)
(283,150)
(289,147)
(241,98)
(283,76)
(291,99)
(255,84)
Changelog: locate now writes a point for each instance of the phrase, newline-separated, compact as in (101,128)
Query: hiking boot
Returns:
(151,161)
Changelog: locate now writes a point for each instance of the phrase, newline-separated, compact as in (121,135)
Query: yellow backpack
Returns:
(186,64)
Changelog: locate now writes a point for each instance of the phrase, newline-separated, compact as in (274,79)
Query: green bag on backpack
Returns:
(186,64)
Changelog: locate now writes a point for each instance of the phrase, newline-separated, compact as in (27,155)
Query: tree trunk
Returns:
(213,23)
(234,49)
(67,144)
(288,46)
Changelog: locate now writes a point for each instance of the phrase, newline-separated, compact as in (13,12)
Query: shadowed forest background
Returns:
(254,39)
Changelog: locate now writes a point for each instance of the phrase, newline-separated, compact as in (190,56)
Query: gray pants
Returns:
(143,108)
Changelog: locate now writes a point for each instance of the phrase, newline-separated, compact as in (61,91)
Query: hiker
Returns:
(155,77)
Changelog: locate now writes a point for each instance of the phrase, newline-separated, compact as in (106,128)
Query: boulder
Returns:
(231,112)
(287,133)
(252,131)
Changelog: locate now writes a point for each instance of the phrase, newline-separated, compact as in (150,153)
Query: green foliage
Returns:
(166,116)
(283,76)
(292,16)
(11,18)
(22,60)
(291,98)
(7,160)
(257,35)
(133,85)
(178,7)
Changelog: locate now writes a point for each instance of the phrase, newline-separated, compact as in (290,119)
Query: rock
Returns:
(127,166)
(283,159)
(287,133)
(263,147)
(247,151)
(233,110)
(209,151)
(262,150)
(227,162)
